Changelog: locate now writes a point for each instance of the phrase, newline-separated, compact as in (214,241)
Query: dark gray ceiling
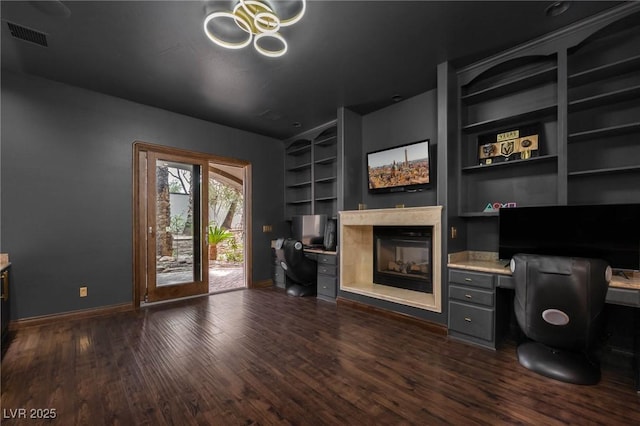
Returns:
(356,54)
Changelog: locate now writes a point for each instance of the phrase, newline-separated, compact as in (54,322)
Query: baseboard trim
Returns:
(433,327)
(66,316)
(263,283)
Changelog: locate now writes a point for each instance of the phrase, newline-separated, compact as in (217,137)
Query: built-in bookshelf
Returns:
(311,174)
(604,116)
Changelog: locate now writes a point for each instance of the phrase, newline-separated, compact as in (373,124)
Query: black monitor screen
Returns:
(309,229)
(609,232)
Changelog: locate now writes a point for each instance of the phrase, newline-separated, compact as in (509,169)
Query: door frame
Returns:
(139,225)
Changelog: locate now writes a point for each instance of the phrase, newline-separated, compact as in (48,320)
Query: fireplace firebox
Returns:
(403,257)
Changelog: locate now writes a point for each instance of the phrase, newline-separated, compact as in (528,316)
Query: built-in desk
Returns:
(327,277)
(327,273)
(479,312)
(622,291)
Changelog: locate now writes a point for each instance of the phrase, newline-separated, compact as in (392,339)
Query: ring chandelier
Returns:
(258,20)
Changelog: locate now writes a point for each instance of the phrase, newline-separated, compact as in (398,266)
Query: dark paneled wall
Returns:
(408,121)
(67,189)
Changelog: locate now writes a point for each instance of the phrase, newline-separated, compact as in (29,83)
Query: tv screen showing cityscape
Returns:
(400,168)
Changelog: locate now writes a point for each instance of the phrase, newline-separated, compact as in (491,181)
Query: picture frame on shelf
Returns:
(515,143)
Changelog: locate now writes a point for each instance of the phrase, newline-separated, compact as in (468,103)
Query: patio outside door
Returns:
(176,221)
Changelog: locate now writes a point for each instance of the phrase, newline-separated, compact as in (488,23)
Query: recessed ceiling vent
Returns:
(28,34)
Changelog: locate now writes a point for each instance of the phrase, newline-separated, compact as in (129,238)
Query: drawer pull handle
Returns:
(468,279)
(468,296)
(467,319)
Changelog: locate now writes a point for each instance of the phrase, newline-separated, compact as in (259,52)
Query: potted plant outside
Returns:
(216,235)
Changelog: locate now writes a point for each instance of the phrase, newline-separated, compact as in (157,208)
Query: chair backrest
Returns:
(558,300)
(298,267)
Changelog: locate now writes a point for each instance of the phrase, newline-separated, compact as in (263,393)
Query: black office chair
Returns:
(301,270)
(558,302)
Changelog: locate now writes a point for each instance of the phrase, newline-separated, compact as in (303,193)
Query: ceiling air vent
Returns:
(27,34)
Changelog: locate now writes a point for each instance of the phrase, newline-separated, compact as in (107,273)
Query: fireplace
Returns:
(402,257)
(357,246)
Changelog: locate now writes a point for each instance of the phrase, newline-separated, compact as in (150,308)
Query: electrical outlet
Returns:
(83,291)
(454,232)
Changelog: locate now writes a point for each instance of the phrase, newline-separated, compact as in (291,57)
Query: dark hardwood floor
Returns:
(260,357)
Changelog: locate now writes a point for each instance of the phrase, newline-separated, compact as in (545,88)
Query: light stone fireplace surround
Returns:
(356,253)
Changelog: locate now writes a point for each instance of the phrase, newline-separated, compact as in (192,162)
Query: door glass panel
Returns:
(178,254)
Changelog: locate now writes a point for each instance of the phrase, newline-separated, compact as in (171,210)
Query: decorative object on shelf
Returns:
(255,20)
(494,207)
(513,144)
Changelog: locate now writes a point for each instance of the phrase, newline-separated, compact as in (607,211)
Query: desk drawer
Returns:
(327,286)
(471,295)
(623,296)
(476,279)
(327,270)
(506,281)
(474,321)
(327,259)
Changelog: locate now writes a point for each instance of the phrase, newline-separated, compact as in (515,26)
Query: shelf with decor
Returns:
(530,184)
(512,163)
(603,141)
(502,109)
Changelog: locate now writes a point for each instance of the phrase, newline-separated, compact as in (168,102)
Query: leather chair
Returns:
(558,304)
(301,270)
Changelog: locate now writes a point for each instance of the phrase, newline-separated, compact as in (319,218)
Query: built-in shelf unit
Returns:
(581,86)
(517,93)
(311,173)
(604,116)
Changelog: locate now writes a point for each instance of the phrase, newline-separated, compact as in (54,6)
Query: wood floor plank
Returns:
(261,357)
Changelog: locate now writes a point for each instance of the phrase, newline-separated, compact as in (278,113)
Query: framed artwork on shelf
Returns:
(517,143)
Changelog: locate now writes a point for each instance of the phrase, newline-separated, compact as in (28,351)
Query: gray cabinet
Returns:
(472,307)
(327,276)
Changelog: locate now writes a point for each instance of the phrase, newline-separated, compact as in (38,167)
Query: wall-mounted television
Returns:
(401,168)
(610,232)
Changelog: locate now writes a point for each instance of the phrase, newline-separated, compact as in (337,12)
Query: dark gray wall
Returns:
(408,121)
(67,189)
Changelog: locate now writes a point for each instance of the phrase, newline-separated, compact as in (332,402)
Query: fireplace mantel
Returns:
(356,253)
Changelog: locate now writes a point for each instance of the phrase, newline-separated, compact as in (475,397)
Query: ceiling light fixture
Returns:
(255,20)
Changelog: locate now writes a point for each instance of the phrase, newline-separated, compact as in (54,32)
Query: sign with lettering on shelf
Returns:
(512,144)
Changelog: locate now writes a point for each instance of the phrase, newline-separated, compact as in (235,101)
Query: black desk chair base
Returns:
(299,290)
(565,366)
